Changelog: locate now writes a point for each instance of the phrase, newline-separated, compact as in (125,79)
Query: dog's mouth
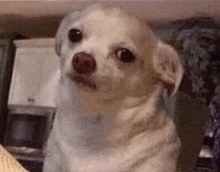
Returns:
(83,81)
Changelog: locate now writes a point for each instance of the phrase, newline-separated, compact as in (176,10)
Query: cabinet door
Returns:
(49,78)
(33,70)
(26,76)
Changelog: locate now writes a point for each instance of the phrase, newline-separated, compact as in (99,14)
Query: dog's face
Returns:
(106,50)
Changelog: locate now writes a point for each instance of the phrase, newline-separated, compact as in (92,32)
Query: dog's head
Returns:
(105,50)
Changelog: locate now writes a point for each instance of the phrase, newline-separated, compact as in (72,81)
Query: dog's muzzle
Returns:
(83,63)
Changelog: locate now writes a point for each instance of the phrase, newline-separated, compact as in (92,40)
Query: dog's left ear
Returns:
(168,66)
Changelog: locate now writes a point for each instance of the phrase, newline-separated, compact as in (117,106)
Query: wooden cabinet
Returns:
(6,63)
(35,74)
(32,98)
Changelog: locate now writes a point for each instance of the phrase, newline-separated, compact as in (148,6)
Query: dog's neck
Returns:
(120,102)
(91,105)
(94,104)
(110,123)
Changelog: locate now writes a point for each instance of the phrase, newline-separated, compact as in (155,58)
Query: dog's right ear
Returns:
(168,66)
(62,30)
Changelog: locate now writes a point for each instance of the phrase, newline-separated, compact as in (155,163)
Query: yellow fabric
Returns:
(8,163)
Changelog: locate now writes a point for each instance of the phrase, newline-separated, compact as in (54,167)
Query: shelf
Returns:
(26,153)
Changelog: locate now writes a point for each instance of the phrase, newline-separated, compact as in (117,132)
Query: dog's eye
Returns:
(75,35)
(125,55)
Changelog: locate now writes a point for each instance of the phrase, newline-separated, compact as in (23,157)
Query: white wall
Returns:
(153,10)
(33,18)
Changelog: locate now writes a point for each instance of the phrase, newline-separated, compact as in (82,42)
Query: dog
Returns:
(110,117)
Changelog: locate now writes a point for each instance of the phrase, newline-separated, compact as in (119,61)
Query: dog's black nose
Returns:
(83,63)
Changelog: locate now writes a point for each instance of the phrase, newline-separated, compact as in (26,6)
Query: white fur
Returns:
(121,125)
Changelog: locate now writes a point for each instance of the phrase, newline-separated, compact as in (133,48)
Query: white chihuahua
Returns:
(110,117)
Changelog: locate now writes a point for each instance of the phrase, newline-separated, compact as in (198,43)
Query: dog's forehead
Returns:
(112,15)
(111,21)
(110,28)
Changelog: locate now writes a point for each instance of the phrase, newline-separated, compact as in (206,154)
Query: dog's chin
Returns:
(83,82)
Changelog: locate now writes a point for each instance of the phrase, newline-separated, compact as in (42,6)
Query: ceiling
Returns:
(41,18)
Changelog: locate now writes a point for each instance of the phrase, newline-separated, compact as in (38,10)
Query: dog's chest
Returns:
(96,163)
(82,132)
(88,143)
(90,149)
